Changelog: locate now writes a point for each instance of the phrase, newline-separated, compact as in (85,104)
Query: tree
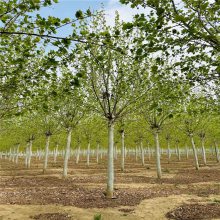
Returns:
(70,111)
(189,30)
(114,81)
(162,102)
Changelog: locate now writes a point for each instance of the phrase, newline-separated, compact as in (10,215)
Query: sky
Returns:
(68,8)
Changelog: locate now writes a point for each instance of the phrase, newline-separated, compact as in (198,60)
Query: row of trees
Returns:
(130,73)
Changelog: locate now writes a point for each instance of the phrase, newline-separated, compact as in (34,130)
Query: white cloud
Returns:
(125,11)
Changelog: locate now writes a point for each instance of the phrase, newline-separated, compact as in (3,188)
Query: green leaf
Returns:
(79,14)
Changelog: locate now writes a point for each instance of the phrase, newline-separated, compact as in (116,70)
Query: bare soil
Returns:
(195,212)
(51,216)
(85,188)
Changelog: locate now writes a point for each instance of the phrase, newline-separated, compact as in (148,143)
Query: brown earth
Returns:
(195,212)
(85,186)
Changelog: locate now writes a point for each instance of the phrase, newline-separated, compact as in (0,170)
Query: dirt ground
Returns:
(30,194)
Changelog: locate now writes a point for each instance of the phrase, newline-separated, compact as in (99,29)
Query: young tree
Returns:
(114,81)
(71,109)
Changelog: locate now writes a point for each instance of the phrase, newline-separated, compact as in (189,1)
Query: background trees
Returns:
(187,30)
(150,71)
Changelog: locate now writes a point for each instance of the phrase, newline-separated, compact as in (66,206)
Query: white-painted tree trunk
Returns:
(178,152)
(110,178)
(46,152)
(13,155)
(168,151)
(203,151)
(97,153)
(10,155)
(157,152)
(26,155)
(194,153)
(122,151)
(55,154)
(17,153)
(29,154)
(149,153)
(67,152)
(187,153)
(217,152)
(78,154)
(136,154)
(88,154)
(142,153)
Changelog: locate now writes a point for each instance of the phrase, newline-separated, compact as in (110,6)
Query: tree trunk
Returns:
(122,151)
(17,154)
(142,154)
(55,154)
(194,153)
(203,151)
(178,152)
(88,154)
(110,180)
(168,151)
(157,152)
(10,155)
(136,154)
(97,153)
(46,153)
(26,155)
(217,152)
(67,152)
(78,154)
(29,154)
(187,153)
(13,155)
(149,153)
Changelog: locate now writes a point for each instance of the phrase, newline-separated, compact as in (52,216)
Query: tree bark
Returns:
(136,154)
(217,152)
(78,154)
(88,154)
(29,154)
(110,178)
(203,151)
(97,153)
(26,155)
(178,152)
(142,154)
(17,154)
(157,152)
(67,152)
(122,151)
(187,153)
(55,154)
(46,153)
(168,151)
(194,153)
(149,153)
